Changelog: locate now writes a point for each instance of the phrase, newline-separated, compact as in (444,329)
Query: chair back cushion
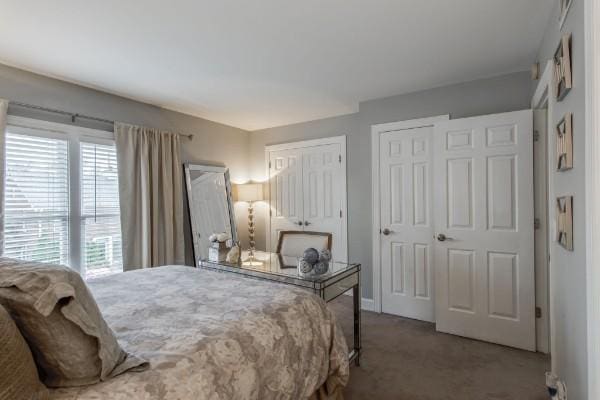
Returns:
(60,320)
(18,373)
(293,243)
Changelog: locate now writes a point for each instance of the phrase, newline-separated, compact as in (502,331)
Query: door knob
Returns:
(386,231)
(306,223)
(299,223)
(442,238)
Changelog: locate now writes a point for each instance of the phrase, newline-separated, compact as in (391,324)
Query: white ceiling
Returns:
(263,63)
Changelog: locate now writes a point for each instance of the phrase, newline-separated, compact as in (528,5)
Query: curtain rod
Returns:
(74,116)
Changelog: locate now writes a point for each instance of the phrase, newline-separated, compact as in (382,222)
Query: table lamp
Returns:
(250,192)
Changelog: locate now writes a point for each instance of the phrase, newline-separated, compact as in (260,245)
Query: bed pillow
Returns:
(71,343)
(18,373)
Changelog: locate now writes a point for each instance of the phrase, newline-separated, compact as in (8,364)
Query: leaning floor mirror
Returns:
(210,207)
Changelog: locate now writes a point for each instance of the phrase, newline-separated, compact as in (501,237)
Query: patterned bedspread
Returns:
(211,335)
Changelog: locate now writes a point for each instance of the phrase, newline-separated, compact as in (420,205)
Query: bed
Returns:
(208,335)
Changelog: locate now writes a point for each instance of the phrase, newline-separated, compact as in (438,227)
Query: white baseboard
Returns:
(365,304)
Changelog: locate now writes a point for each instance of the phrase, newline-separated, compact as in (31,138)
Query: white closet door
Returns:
(406,223)
(285,181)
(485,286)
(322,180)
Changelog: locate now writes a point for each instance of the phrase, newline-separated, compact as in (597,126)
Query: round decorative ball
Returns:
(325,255)
(311,255)
(223,237)
(321,267)
(304,267)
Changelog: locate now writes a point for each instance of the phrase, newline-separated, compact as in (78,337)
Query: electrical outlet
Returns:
(556,388)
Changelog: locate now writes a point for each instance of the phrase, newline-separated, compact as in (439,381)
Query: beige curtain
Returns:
(3,110)
(150,191)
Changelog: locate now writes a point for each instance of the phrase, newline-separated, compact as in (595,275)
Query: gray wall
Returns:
(243,153)
(568,291)
(500,94)
(212,142)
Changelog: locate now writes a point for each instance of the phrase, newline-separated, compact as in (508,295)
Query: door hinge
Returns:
(340,158)
(269,164)
(538,312)
(537,223)
(536,135)
(340,213)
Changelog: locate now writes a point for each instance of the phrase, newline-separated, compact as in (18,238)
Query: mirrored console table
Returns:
(340,278)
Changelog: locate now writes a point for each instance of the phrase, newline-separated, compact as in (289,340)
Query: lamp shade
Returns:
(249,192)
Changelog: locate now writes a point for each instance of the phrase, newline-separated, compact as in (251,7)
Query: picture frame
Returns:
(563,81)
(564,143)
(565,6)
(564,222)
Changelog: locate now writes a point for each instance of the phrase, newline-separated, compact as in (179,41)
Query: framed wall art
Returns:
(562,68)
(564,222)
(564,143)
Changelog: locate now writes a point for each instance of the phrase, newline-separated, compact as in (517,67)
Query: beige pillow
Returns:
(18,373)
(58,316)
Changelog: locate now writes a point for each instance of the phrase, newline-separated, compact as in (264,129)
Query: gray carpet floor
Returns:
(404,359)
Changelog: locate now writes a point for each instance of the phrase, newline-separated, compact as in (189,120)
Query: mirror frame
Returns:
(188,186)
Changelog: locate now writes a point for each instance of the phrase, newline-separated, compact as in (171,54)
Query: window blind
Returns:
(37,199)
(100,221)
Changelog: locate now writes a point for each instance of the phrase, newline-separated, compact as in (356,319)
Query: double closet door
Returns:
(307,191)
(456,215)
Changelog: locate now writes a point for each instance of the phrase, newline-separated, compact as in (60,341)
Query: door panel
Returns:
(422,270)
(461,283)
(501,192)
(323,194)
(420,194)
(460,193)
(484,207)
(285,185)
(406,250)
(503,282)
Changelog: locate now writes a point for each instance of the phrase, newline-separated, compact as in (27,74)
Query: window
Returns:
(37,199)
(100,221)
(62,197)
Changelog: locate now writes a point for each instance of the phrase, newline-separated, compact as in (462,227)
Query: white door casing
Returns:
(542,233)
(321,175)
(545,326)
(406,220)
(485,286)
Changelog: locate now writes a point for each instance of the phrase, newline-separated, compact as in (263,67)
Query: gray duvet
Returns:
(211,335)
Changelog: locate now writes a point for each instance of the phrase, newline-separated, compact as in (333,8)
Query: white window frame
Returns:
(74,136)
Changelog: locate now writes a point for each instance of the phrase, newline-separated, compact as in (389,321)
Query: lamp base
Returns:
(252,243)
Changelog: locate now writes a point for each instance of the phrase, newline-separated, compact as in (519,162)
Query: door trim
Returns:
(341,140)
(376,131)
(592,192)
(543,97)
